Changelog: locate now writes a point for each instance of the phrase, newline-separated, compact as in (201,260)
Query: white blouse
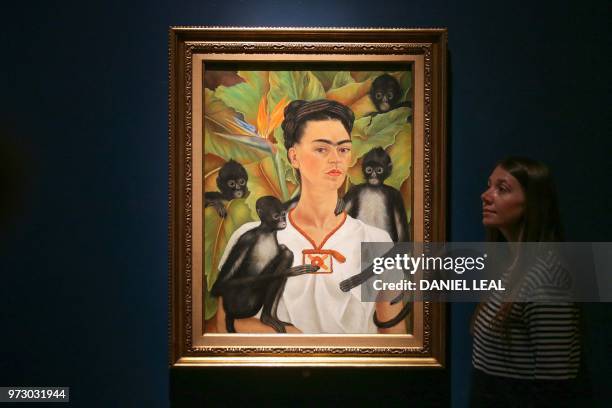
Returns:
(314,303)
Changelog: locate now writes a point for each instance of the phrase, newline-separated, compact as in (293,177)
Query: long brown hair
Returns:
(541,221)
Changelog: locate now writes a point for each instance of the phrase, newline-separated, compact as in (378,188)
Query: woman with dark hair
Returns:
(318,142)
(525,353)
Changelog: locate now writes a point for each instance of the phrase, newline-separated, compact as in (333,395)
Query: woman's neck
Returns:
(513,233)
(317,209)
(513,236)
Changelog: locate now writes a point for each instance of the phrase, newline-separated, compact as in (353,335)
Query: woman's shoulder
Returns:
(366,232)
(548,277)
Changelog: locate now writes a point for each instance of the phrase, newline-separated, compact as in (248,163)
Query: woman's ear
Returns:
(293,158)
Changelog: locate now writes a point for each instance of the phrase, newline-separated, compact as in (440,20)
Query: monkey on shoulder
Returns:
(255,272)
(376,203)
(381,206)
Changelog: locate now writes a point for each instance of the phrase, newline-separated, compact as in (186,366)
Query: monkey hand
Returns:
(220,208)
(302,269)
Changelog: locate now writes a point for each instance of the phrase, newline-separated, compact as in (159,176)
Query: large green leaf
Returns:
(217,232)
(219,119)
(282,156)
(355,173)
(350,94)
(379,130)
(401,157)
(405,80)
(245,97)
(212,163)
(325,77)
(361,76)
(342,78)
(263,181)
(363,106)
(294,85)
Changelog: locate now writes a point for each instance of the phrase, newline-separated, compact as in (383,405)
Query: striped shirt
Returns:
(541,340)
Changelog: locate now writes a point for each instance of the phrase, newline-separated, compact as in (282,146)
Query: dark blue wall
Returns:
(83,160)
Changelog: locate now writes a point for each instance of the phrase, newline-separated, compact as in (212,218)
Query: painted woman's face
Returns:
(322,155)
(503,203)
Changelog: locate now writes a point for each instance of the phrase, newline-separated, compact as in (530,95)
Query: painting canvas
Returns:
(243,112)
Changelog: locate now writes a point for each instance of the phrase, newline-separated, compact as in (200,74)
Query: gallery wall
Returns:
(83,166)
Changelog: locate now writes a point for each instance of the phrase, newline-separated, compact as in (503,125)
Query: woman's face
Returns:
(323,154)
(503,203)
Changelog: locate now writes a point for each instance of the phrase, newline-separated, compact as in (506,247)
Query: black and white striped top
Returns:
(542,339)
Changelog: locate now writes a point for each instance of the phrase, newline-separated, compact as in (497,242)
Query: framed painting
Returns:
(288,148)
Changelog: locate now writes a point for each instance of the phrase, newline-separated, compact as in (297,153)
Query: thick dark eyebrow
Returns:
(329,142)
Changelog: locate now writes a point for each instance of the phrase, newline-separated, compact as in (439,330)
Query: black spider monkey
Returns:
(385,94)
(232,183)
(254,274)
(376,203)
(381,206)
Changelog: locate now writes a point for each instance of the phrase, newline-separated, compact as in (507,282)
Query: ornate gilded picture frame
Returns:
(243,184)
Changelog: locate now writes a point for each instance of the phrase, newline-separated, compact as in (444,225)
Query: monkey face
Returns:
(237,187)
(385,93)
(232,180)
(271,213)
(384,99)
(280,218)
(377,166)
(374,174)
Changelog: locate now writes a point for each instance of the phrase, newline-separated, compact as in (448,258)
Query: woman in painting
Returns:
(318,142)
(525,353)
